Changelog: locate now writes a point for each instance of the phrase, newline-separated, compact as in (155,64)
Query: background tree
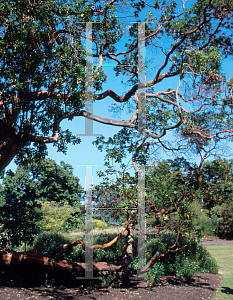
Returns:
(180,196)
(19,212)
(31,198)
(42,63)
(170,192)
(59,217)
(216,189)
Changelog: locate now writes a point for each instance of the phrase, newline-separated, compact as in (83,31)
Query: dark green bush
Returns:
(224,215)
(111,254)
(185,267)
(185,263)
(47,242)
(155,273)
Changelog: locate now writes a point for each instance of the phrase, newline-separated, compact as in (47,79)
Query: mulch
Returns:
(202,287)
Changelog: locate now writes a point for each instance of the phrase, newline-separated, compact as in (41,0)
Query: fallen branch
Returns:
(48,260)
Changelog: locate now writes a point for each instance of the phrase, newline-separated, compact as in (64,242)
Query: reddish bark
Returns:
(47,260)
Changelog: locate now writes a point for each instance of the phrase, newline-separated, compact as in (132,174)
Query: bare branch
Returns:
(166,100)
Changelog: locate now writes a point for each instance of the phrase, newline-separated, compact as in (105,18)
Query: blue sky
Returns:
(87,154)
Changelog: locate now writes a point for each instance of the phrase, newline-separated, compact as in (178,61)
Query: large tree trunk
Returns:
(46,260)
(8,152)
(11,143)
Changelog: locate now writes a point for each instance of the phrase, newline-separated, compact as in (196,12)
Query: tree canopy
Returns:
(31,198)
(44,72)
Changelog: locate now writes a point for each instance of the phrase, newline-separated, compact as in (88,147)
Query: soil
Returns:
(202,287)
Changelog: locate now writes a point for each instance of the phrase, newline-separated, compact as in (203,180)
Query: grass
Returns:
(224,256)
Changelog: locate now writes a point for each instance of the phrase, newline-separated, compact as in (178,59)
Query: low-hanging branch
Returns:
(48,260)
(80,241)
(90,116)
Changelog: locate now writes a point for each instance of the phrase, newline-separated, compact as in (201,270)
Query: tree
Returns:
(216,190)
(216,183)
(55,182)
(44,79)
(30,190)
(19,208)
(43,74)
(59,217)
(170,191)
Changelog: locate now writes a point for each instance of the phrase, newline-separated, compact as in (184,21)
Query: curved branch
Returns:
(80,241)
(185,35)
(212,136)
(166,100)
(88,115)
(82,113)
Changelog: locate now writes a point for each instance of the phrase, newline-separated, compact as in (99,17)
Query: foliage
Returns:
(44,75)
(196,259)
(217,191)
(170,191)
(19,209)
(205,224)
(185,268)
(224,213)
(29,194)
(179,196)
(54,182)
(57,216)
(216,183)
(185,263)
(155,273)
(98,224)
(44,72)
(47,242)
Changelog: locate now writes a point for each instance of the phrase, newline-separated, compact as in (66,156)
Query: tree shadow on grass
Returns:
(226,290)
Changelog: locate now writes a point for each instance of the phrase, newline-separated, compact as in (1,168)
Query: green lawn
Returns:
(224,256)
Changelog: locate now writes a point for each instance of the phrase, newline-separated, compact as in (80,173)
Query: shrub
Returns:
(203,223)
(185,268)
(224,213)
(47,242)
(207,264)
(97,224)
(113,253)
(184,263)
(58,216)
(155,273)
